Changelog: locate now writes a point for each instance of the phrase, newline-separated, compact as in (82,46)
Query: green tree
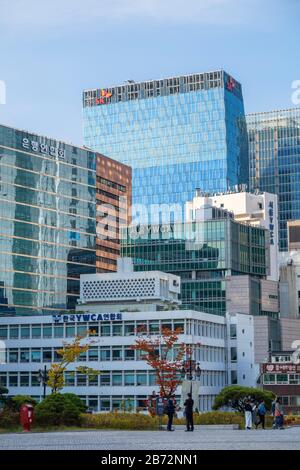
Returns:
(235,396)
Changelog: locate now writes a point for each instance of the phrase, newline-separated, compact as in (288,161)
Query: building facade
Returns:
(203,254)
(258,209)
(274,150)
(49,192)
(176,133)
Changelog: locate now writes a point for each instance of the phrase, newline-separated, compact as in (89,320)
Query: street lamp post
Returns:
(43,378)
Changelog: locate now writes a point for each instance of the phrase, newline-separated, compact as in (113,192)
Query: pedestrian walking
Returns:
(170,412)
(188,408)
(273,412)
(248,415)
(278,415)
(261,413)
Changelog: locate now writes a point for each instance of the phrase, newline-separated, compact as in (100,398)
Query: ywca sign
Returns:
(86,317)
(281,368)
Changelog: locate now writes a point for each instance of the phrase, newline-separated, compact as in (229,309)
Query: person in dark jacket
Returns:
(261,413)
(188,408)
(170,412)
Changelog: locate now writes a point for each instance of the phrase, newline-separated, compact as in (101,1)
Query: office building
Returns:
(274,151)
(207,255)
(177,134)
(133,305)
(49,192)
(258,209)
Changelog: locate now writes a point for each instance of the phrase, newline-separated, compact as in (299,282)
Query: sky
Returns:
(51,50)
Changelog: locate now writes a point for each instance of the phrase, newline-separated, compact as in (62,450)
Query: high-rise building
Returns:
(274,155)
(178,134)
(49,194)
(210,256)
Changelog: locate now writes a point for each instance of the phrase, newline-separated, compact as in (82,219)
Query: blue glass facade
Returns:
(47,222)
(274,153)
(178,134)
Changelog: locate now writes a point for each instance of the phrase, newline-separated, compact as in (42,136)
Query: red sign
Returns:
(230,84)
(284,368)
(104,95)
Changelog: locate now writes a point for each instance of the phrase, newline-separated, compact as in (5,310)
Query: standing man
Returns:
(170,412)
(188,408)
(248,415)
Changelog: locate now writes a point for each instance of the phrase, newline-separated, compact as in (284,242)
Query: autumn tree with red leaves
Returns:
(156,350)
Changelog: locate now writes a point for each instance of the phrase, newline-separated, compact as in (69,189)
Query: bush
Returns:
(76,401)
(116,420)
(57,410)
(9,419)
(18,400)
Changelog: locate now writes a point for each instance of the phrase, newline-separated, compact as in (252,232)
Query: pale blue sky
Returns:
(51,50)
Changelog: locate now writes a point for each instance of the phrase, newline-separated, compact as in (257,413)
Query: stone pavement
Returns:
(154,440)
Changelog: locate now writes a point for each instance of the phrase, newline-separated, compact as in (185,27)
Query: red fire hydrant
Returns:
(26,416)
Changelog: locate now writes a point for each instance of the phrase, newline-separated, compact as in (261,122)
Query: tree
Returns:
(235,396)
(156,352)
(69,354)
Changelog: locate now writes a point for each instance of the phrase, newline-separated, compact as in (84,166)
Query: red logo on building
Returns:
(104,95)
(230,84)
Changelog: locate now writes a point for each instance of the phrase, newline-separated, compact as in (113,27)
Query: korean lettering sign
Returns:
(35,146)
(287,368)
(271,222)
(87,317)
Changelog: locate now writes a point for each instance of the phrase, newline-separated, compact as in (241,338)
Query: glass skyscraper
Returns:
(274,154)
(177,134)
(47,222)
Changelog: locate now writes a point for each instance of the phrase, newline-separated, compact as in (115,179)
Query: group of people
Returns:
(255,413)
(188,412)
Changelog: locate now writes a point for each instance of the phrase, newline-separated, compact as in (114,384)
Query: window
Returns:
(233,354)
(129,354)
(58,331)
(82,357)
(93,354)
(12,379)
(24,379)
(117,329)
(70,331)
(116,354)
(82,330)
(129,379)
(105,404)
(93,380)
(3,379)
(128,329)
(3,332)
(13,355)
(104,354)
(14,332)
(153,328)
(233,331)
(116,380)
(25,332)
(36,355)
(47,331)
(105,329)
(233,377)
(35,379)
(69,379)
(24,357)
(81,380)
(141,378)
(94,329)
(104,379)
(47,355)
(36,331)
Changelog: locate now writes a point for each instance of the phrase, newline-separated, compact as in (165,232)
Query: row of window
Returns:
(281,379)
(105,379)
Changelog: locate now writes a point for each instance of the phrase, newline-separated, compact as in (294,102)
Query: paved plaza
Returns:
(154,440)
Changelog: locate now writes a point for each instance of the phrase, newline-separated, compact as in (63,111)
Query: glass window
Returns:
(116,403)
(56,355)
(47,331)
(24,356)
(129,378)
(69,379)
(152,378)
(116,354)
(116,379)
(179,325)
(82,329)
(282,378)
(104,379)
(58,331)
(93,354)
(129,354)
(35,379)
(12,379)
(93,380)
(117,329)
(25,332)
(47,355)
(93,403)
(233,377)
(141,378)
(36,331)
(24,379)
(233,354)
(82,357)
(70,331)
(3,332)
(14,332)
(36,355)
(81,380)
(153,328)
(129,329)
(233,331)
(105,329)
(105,404)
(13,355)
(3,379)
(104,354)
(94,329)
